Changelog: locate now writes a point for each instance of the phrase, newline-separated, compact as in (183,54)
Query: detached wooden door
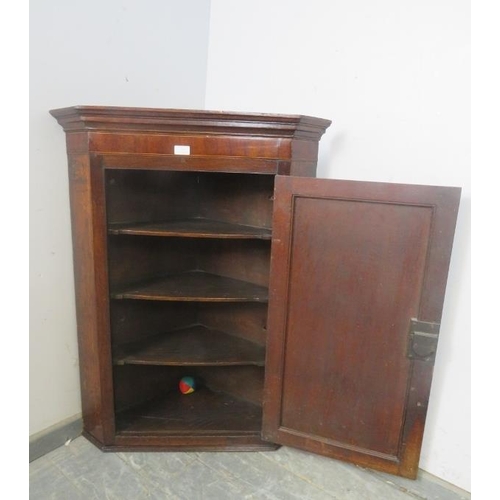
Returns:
(358,276)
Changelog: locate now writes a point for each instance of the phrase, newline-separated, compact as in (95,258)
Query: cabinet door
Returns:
(358,276)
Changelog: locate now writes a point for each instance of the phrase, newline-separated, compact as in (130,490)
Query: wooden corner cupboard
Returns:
(306,310)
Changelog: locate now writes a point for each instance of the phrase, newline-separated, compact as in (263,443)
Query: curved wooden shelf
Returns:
(191,228)
(195,286)
(202,412)
(196,345)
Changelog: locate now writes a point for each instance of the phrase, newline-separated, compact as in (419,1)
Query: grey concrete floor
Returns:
(78,470)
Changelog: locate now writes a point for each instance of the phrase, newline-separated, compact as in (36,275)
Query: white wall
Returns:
(393,75)
(113,52)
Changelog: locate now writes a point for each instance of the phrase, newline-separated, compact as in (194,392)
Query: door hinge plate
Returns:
(423,340)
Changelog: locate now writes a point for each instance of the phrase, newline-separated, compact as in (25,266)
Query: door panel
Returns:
(352,264)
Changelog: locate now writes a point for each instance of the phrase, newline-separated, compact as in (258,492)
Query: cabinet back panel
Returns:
(137,258)
(239,198)
(148,195)
(248,321)
(133,385)
(242,260)
(133,320)
(244,382)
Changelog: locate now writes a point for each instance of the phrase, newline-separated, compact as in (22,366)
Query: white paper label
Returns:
(182,150)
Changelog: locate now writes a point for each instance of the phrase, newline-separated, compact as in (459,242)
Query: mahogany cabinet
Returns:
(307,310)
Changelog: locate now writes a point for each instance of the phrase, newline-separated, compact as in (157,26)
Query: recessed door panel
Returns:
(352,265)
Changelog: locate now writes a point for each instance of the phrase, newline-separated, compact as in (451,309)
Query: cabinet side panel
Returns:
(91,297)
(304,158)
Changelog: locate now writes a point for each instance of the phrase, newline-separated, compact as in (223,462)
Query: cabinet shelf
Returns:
(191,228)
(193,346)
(197,286)
(202,412)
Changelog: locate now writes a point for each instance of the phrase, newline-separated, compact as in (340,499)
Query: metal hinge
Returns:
(423,340)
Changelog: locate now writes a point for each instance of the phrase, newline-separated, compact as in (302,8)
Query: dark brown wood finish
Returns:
(195,122)
(136,320)
(144,214)
(141,138)
(192,228)
(158,258)
(172,259)
(352,264)
(195,286)
(246,320)
(135,385)
(227,164)
(138,196)
(193,414)
(91,290)
(243,382)
(195,345)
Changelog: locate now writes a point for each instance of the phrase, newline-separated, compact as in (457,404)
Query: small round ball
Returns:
(187,385)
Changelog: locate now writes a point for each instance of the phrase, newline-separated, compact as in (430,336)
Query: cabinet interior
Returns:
(188,270)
